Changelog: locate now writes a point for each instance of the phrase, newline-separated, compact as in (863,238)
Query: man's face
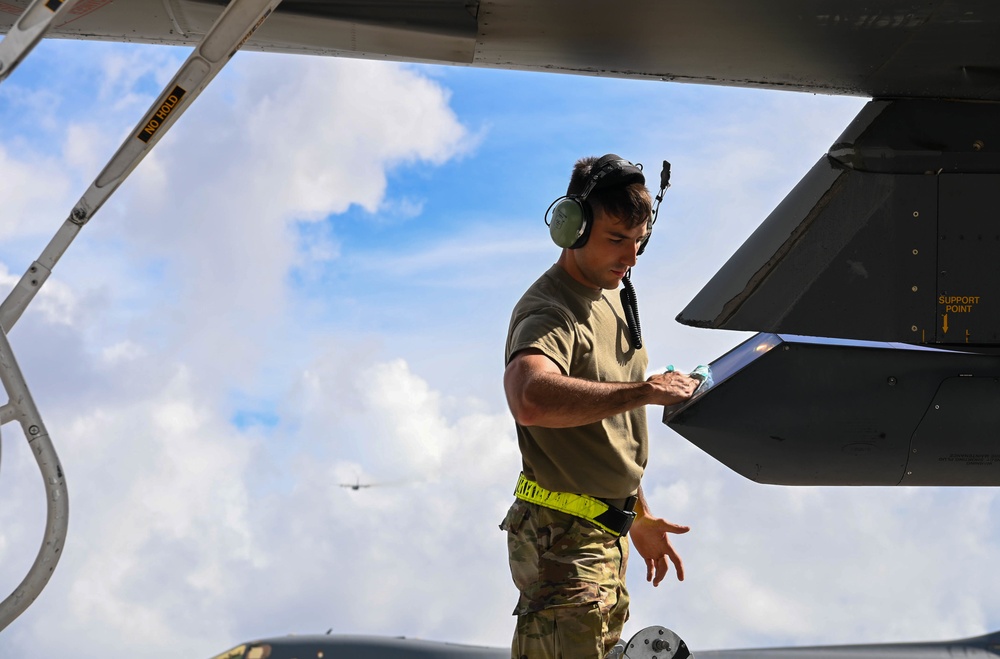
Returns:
(608,254)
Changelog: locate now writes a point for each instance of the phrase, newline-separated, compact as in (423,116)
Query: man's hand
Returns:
(650,538)
(673,387)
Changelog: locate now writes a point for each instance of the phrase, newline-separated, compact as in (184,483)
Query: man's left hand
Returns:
(650,538)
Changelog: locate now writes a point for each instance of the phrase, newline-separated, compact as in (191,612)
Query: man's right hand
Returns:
(673,387)
(539,394)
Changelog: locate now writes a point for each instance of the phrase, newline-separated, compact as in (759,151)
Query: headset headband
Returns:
(611,170)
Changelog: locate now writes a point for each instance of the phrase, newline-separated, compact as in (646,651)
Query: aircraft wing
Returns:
(930,49)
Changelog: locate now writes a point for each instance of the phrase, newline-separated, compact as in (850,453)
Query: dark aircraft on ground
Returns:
(357,647)
(643,645)
(884,254)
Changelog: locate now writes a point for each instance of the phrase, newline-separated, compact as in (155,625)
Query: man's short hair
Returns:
(630,203)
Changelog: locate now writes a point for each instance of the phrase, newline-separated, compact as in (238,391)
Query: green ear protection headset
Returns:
(570,218)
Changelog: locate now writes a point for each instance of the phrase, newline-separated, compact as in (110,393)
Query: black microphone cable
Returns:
(630,305)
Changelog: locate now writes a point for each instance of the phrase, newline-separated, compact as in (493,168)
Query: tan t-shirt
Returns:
(584,332)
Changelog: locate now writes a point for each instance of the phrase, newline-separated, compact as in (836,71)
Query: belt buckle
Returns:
(630,517)
(615,519)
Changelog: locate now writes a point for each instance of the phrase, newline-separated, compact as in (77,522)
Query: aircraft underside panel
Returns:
(802,411)
(430,31)
(845,255)
(893,236)
(928,48)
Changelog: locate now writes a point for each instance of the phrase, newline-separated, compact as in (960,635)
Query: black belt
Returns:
(620,515)
(627,504)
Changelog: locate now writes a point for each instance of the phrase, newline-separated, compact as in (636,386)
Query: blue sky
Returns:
(308,283)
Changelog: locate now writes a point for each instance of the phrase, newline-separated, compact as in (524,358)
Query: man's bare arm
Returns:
(540,395)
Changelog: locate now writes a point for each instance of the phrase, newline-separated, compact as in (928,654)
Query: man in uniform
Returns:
(576,386)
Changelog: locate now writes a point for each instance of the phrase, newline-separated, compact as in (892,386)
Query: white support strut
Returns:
(231,30)
(237,23)
(22,408)
(32,25)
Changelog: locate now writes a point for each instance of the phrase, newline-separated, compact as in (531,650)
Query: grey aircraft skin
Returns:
(357,647)
(375,647)
(979,647)
(941,49)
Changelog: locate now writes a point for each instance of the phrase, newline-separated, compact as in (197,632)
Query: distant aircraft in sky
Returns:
(357,485)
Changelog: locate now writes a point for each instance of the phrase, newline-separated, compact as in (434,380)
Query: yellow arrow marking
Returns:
(945,328)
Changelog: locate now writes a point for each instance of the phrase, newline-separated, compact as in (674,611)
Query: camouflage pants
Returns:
(571,576)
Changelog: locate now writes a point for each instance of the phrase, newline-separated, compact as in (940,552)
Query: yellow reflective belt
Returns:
(579,505)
